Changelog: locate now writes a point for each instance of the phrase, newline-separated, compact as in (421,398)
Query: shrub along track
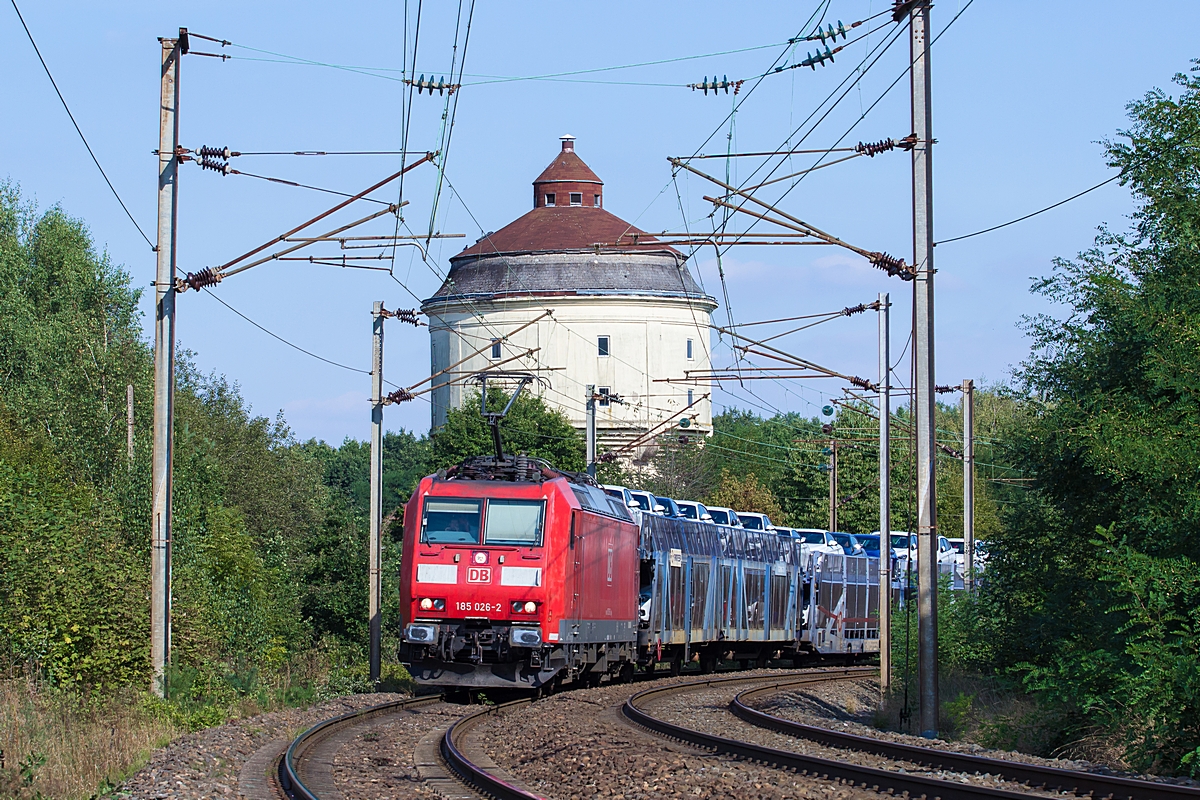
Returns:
(850,767)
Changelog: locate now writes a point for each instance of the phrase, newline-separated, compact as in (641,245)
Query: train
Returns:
(518,575)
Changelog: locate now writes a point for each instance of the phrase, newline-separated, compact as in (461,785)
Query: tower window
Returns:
(602,345)
(550,200)
(604,391)
(689,350)
(496,348)
(596,200)
(576,198)
(690,400)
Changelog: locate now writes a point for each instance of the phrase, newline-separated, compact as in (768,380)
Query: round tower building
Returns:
(625,314)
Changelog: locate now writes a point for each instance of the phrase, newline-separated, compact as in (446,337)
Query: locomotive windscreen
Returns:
(451,521)
(516,522)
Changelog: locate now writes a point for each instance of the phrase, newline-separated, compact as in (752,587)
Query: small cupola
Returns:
(568,182)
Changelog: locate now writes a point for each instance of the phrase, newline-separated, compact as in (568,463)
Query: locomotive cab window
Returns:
(451,521)
(516,522)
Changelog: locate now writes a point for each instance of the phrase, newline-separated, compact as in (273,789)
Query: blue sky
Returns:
(1023,92)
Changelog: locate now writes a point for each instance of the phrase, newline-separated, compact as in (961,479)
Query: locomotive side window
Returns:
(514,522)
(451,521)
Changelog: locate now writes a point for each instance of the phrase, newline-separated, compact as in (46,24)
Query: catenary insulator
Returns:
(208,276)
(398,396)
(811,60)
(408,315)
(831,34)
(215,165)
(871,148)
(892,266)
(216,152)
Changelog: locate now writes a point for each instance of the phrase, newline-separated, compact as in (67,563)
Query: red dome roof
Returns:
(562,228)
(567,215)
(567,167)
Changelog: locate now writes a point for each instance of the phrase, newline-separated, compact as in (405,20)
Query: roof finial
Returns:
(568,143)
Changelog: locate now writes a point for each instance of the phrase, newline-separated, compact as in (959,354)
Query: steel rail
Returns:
(881,780)
(1049,778)
(475,776)
(289,765)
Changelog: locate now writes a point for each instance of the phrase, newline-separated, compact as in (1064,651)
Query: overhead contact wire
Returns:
(78,130)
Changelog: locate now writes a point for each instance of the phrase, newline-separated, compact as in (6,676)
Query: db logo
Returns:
(479,575)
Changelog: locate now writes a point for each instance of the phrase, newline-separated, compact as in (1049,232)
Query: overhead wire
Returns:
(822,9)
(880,50)
(788,142)
(285,182)
(452,107)
(79,130)
(274,335)
(566,77)
(870,108)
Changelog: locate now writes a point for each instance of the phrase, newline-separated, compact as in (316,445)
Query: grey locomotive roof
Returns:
(661,274)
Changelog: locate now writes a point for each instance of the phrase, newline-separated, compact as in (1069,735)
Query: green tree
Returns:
(530,428)
(745,493)
(72,595)
(1111,445)
(69,338)
(250,503)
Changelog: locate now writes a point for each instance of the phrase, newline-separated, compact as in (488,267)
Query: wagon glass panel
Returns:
(754,598)
(699,593)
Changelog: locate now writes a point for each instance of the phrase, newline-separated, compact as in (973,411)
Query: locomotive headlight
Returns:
(439,605)
(426,604)
(530,607)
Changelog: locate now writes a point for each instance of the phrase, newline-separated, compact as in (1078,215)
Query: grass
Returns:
(989,711)
(60,744)
(67,746)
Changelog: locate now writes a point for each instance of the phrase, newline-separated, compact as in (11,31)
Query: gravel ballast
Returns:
(707,710)
(847,707)
(577,745)
(209,763)
(378,762)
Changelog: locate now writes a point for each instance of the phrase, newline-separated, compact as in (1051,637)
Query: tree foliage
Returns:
(1112,444)
(252,506)
(530,428)
(745,493)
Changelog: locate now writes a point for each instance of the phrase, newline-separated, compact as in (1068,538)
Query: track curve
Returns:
(476,775)
(1035,775)
(292,774)
(874,778)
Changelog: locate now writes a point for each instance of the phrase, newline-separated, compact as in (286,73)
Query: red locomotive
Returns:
(518,575)
(514,573)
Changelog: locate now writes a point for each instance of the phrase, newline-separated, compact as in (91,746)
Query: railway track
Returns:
(305,770)
(478,775)
(1038,781)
